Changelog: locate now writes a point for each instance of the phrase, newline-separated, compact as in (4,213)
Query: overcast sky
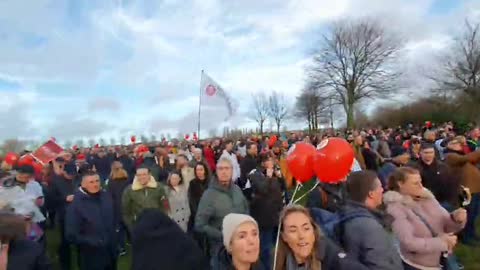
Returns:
(86,69)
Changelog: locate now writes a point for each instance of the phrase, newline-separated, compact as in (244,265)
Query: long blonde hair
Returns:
(283,249)
(118,173)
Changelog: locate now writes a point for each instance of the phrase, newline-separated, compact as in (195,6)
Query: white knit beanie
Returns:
(230,225)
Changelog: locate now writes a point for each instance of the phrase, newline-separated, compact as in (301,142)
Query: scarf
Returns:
(292,263)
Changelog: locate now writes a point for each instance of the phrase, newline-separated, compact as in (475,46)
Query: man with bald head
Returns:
(90,225)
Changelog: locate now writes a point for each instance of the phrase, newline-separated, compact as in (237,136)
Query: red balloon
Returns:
(299,161)
(187,136)
(333,160)
(272,140)
(11,158)
(133,139)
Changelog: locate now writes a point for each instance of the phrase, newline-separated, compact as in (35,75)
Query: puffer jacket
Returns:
(418,247)
(366,239)
(217,202)
(136,198)
(225,262)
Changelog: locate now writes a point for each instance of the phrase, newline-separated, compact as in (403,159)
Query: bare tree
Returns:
(80,143)
(212,133)
(277,108)
(153,138)
(91,142)
(355,61)
(13,145)
(113,141)
(68,144)
(102,142)
(260,110)
(143,139)
(123,141)
(310,106)
(460,73)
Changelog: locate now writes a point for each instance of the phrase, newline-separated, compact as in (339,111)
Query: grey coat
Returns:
(217,202)
(366,240)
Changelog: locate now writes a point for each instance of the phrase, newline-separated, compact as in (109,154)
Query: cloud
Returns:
(103,104)
(71,126)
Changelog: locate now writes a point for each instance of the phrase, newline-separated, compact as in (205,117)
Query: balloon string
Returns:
(280,225)
(306,193)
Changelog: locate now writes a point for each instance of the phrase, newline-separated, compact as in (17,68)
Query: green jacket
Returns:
(215,204)
(136,198)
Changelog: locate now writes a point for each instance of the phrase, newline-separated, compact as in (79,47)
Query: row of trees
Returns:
(274,107)
(359,60)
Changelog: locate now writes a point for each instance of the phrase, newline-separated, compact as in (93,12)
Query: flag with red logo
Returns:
(213,98)
(47,152)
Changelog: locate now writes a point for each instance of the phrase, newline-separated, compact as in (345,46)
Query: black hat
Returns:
(398,151)
(159,243)
(26,169)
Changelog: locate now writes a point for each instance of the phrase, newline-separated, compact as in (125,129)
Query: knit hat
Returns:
(230,225)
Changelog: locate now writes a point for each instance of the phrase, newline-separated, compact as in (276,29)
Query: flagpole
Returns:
(199,106)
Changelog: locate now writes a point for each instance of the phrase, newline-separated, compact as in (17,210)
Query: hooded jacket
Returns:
(217,202)
(418,247)
(465,167)
(136,198)
(366,240)
(90,221)
(233,159)
(158,243)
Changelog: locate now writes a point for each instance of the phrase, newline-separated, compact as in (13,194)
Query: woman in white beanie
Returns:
(241,244)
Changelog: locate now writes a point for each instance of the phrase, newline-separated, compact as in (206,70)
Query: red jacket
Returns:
(210,158)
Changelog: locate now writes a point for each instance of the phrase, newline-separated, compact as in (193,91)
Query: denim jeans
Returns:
(266,245)
(472,214)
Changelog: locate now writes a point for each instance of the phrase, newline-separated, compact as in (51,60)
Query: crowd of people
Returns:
(224,204)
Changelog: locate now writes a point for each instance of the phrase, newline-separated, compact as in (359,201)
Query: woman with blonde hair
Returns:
(302,246)
(117,182)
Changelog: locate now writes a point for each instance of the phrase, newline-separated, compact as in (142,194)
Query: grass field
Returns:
(468,256)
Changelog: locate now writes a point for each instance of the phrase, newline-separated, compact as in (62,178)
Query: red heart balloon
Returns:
(299,161)
(11,158)
(333,160)
(133,139)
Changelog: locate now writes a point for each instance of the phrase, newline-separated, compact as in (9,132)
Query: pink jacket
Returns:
(417,245)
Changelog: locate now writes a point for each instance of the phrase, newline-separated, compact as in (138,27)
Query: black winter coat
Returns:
(129,166)
(439,179)
(116,188)
(267,199)
(59,190)
(195,191)
(27,255)
(103,166)
(90,225)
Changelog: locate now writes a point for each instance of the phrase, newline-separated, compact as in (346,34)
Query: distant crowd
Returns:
(227,204)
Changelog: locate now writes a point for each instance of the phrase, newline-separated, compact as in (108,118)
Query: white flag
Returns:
(214,97)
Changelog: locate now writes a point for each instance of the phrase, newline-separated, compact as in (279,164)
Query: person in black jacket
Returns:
(438,178)
(159,243)
(247,165)
(62,190)
(90,225)
(17,253)
(102,163)
(268,189)
(117,183)
(197,188)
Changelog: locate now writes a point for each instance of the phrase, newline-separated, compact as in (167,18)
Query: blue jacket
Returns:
(90,220)
(385,171)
